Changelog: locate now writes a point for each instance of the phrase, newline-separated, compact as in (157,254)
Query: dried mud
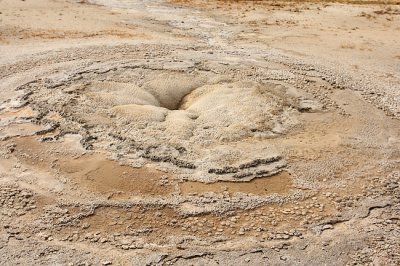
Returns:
(215,147)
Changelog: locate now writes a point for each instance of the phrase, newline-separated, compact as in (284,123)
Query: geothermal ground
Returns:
(199,133)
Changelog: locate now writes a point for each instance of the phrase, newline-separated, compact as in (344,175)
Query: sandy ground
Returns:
(199,133)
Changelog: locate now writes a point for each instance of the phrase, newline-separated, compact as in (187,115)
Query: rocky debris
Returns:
(59,216)
(128,242)
(15,201)
(207,112)
(167,159)
(13,231)
(253,164)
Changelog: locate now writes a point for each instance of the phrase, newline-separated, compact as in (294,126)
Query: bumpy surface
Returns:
(207,149)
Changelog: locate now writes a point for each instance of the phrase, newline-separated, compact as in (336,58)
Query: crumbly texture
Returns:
(199,133)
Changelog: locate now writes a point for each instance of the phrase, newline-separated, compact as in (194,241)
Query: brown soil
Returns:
(189,132)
